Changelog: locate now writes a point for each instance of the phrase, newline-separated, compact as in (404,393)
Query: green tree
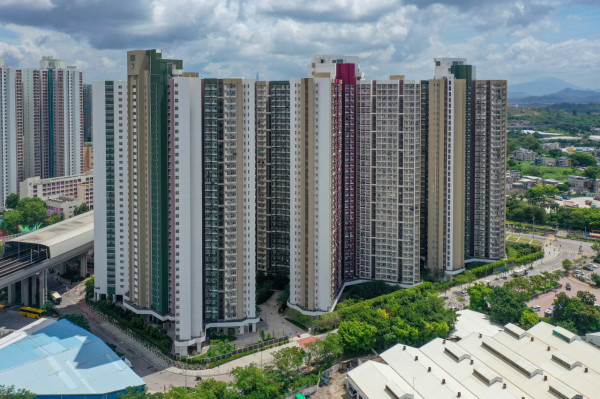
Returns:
(586,297)
(326,351)
(256,382)
(12,220)
(506,306)
(478,294)
(567,265)
(33,210)
(89,289)
(540,191)
(596,279)
(328,321)
(78,319)
(357,336)
(83,208)
(528,319)
(289,360)
(11,201)
(54,218)
(583,159)
(10,392)
(213,389)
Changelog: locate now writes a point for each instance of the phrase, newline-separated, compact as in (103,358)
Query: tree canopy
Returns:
(11,201)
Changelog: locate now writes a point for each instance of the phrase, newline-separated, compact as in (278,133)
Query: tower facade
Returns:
(111,194)
(11,131)
(272,177)
(390,204)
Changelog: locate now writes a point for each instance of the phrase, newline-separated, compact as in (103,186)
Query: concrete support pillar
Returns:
(25,292)
(12,293)
(62,267)
(33,291)
(253,327)
(43,287)
(83,265)
(241,330)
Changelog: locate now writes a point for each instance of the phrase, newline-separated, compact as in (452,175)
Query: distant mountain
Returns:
(539,87)
(562,96)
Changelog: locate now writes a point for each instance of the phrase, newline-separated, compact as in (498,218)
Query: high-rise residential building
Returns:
(488,204)
(53,119)
(229,203)
(87,113)
(315,193)
(111,204)
(346,72)
(147,78)
(11,131)
(446,171)
(390,204)
(273,177)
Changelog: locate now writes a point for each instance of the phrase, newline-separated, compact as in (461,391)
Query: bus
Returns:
(31,312)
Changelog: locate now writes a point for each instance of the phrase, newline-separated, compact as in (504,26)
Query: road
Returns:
(555,251)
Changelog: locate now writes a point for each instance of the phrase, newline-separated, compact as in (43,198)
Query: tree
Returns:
(586,297)
(596,279)
(83,208)
(256,382)
(528,319)
(540,191)
(289,360)
(328,321)
(478,294)
(10,392)
(583,159)
(54,218)
(33,210)
(12,220)
(213,389)
(11,201)
(357,336)
(567,265)
(78,320)
(506,306)
(325,352)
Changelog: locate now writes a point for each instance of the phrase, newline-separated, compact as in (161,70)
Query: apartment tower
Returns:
(488,204)
(272,177)
(446,171)
(111,197)
(11,131)
(390,203)
(229,203)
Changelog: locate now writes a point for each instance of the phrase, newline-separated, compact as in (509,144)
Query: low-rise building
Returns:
(543,362)
(63,205)
(579,183)
(550,146)
(513,174)
(545,161)
(77,186)
(564,162)
(523,154)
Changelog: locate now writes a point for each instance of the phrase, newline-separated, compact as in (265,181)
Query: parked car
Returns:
(588,268)
(593,266)
(568,286)
(536,307)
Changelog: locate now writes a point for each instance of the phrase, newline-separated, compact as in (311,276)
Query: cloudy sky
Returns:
(518,40)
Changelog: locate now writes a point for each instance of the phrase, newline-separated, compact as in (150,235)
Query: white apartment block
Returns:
(315,179)
(111,198)
(389,145)
(11,131)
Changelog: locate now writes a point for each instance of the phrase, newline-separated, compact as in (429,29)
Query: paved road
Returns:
(555,251)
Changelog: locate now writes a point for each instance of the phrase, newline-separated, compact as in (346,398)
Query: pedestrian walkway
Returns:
(572,251)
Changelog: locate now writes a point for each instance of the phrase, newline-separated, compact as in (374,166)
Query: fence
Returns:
(189,364)
(257,346)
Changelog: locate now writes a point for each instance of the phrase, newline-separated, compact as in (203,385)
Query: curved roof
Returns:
(63,236)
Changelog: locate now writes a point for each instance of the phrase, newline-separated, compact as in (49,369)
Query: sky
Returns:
(517,40)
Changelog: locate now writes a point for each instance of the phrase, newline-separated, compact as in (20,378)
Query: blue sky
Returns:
(517,40)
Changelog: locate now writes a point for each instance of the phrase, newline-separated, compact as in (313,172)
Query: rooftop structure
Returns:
(542,362)
(57,358)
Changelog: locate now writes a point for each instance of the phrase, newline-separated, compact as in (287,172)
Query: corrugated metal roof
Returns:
(63,358)
(63,236)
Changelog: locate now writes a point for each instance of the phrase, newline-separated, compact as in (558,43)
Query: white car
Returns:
(536,307)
